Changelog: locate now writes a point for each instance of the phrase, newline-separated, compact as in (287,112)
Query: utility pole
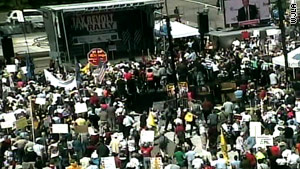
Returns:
(283,38)
(171,50)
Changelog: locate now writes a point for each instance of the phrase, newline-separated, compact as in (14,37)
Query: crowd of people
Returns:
(210,131)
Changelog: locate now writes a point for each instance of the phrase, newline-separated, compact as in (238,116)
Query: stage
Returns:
(224,38)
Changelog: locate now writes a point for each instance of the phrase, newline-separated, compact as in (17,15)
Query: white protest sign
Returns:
(8,117)
(24,69)
(80,108)
(297,113)
(266,140)
(108,163)
(40,101)
(120,136)
(256,33)
(147,136)
(60,128)
(7,124)
(11,68)
(255,129)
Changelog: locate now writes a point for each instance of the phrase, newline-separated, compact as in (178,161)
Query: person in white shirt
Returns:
(236,43)
(273,78)
(236,128)
(239,144)
(197,163)
(246,118)
(127,122)
(221,163)
(133,163)
(293,160)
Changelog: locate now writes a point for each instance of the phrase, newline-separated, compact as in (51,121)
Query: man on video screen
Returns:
(247,12)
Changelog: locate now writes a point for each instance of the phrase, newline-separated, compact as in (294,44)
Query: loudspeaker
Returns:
(8,49)
(203,24)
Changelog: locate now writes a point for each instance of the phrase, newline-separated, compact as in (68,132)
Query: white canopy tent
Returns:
(293,59)
(179,30)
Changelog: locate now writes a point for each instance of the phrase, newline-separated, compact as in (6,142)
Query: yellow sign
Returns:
(21,123)
(171,90)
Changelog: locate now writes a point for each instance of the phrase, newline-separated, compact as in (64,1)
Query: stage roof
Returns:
(102,5)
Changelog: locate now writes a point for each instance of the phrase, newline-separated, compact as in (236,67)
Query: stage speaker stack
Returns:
(8,49)
(203,24)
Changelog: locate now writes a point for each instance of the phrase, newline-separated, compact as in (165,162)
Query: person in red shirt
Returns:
(180,133)
(146,150)
(127,75)
(117,160)
(94,100)
(150,79)
(207,107)
(251,158)
(275,150)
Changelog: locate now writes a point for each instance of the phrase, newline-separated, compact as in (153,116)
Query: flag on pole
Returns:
(77,70)
(11,82)
(86,68)
(101,72)
(224,146)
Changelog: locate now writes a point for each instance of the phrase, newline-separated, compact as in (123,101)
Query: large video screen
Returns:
(246,12)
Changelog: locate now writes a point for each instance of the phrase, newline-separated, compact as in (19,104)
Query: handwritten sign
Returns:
(108,163)
(21,123)
(266,140)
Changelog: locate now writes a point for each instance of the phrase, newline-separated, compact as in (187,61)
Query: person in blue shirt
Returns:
(236,163)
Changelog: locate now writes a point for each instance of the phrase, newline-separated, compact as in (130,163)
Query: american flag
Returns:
(126,36)
(11,82)
(102,68)
(137,37)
